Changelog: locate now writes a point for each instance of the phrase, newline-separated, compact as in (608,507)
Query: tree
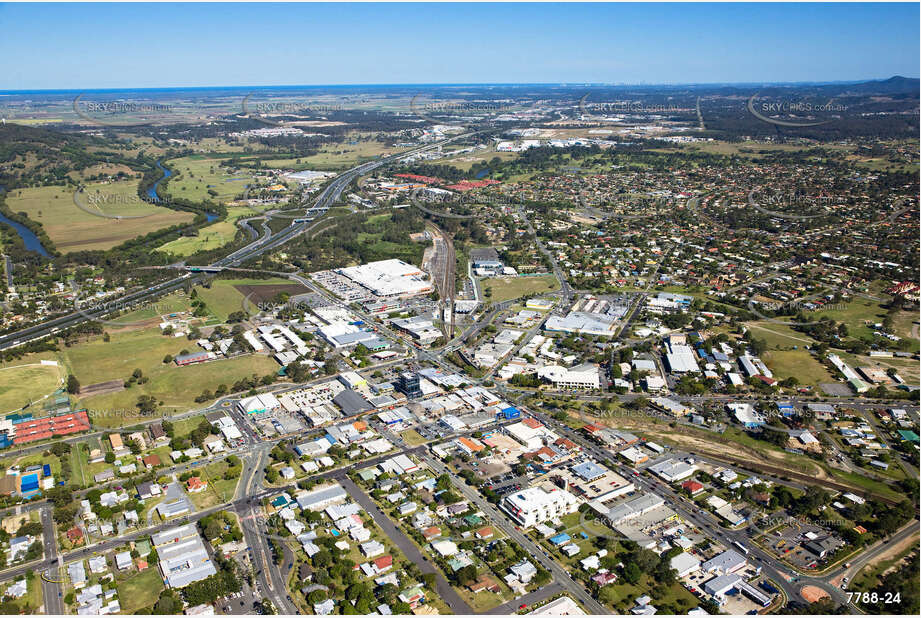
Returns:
(73,384)
(632,573)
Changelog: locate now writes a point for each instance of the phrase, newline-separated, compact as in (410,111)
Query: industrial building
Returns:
(672,470)
(183,556)
(389,278)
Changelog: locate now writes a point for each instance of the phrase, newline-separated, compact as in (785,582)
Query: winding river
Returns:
(155,198)
(29,238)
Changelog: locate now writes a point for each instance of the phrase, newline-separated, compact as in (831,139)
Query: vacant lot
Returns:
(799,364)
(73,229)
(854,314)
(139,590)
(779,336)
(507,288)
(224,296)
(176,387)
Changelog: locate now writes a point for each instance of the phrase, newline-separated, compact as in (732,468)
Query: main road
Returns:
(327,197)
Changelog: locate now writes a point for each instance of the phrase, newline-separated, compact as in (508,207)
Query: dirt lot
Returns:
(102,388)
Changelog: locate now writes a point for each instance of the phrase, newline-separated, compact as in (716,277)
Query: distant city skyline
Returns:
(99,46)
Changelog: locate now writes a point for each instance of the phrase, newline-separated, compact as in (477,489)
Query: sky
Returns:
(83,46)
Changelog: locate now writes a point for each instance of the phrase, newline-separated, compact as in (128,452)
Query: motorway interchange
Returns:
(271,582)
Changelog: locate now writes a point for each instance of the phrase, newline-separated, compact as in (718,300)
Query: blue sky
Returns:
(46,46)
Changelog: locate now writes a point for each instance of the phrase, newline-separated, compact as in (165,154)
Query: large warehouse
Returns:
(389,278)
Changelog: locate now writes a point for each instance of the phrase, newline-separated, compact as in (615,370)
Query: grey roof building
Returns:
(351,402)
(183,556)
(319,499)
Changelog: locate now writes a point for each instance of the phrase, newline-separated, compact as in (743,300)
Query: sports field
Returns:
(73,229)
(22,382)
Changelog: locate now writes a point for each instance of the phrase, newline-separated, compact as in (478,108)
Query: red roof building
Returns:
(383,563)
(50,426)
(693,486)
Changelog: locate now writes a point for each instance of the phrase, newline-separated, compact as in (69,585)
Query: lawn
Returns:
(798,364)
(219,490)
(25,383)
(36,459)
(507,288)
(223,298)
(176,387)
(209,237)
(854,314)
(177,302)
(412,437)
(73,229)
(779,336)
(139,590)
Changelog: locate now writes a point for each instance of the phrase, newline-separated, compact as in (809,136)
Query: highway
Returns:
(330,194)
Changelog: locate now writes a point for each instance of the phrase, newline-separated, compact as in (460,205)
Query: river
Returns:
(28,236)
(155,198)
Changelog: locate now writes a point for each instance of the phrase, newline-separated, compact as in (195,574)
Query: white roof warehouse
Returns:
(389,278)
(183,557)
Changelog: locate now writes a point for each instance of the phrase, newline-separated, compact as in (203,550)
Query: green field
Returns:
(197,174)
(139,590)
(854,314)
(72,229)
(27,382)
(779,336)
(334,157)
(223,298)
(506,288)
(210,237)
(799,364)
(97,361)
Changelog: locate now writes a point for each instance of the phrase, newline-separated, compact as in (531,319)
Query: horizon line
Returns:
(573,84)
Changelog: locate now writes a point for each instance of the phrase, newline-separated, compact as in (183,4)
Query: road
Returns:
(448,594)
(327,197)
(52,590)
(502,521)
